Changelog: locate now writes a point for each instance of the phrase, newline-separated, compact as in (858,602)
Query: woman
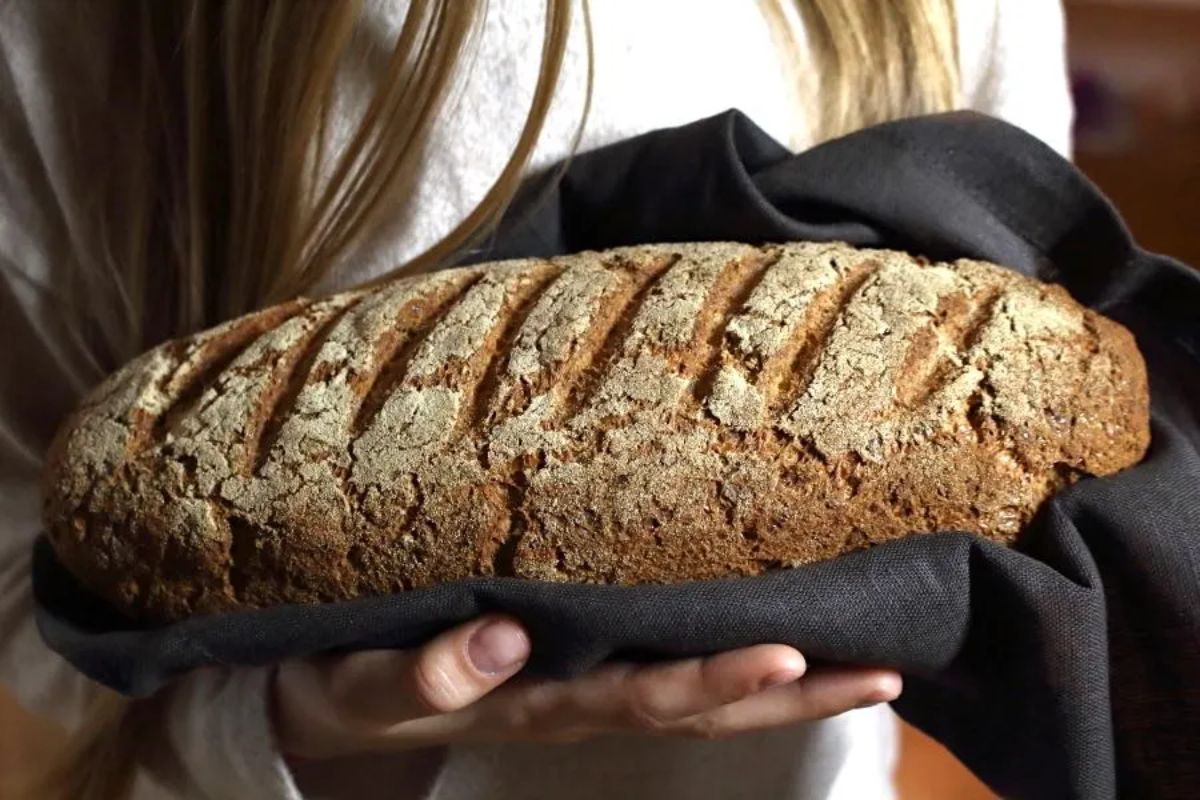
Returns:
(168,165)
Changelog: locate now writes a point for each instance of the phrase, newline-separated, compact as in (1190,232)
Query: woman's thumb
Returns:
(361,695)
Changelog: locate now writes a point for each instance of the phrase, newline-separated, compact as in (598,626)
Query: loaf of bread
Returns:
(646,414)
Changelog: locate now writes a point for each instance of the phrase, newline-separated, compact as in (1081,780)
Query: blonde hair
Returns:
(217,193)
(879,61)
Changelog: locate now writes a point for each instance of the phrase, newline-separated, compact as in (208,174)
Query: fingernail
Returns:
(888,691)
(498,647)
(780,678)
(891,689)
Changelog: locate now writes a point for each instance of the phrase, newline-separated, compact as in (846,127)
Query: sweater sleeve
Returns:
(1014,66)
(219,738)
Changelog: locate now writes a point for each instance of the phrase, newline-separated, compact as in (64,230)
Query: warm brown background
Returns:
(1150,53)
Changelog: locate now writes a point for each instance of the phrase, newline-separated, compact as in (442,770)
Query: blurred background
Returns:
(1135,69)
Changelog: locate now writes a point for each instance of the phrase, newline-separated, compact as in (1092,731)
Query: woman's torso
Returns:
(657,64)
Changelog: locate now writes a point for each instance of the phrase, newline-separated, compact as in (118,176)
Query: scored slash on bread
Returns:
(647,414)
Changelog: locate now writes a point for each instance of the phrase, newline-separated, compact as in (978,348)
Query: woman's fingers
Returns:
(451,690)
(346,702)
(616,698)
(818,695)
(658,695)
(622,698)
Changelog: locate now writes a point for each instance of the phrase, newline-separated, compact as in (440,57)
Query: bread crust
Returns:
(647,414)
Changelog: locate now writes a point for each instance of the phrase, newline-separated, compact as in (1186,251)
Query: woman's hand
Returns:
(460,688)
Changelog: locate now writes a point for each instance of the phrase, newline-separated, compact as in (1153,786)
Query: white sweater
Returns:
(658,63)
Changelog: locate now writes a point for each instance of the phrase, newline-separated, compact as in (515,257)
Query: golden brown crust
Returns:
(646,414)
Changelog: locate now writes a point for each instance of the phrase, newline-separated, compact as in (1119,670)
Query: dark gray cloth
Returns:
(1066,667)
